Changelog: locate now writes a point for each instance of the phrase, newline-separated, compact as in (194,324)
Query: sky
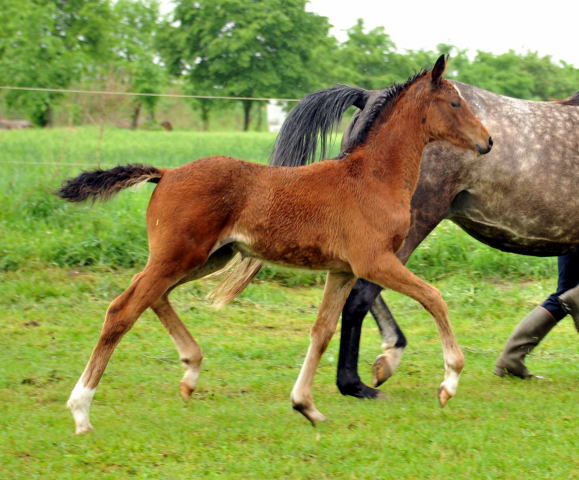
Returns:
(547,27)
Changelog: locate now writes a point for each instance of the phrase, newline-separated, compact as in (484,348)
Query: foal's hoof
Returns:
(186,391)
(381,370)
(443,396)
(312,414)
(82,429)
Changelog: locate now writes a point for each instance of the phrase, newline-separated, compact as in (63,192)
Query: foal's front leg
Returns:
(336,291)
(391,273)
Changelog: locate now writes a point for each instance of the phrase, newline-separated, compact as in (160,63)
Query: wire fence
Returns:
(138,94)
(50,164)
(112,106)
(106,114)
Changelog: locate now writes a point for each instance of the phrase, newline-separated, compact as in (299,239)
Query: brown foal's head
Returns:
(449,117)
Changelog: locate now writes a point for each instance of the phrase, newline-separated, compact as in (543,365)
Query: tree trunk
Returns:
(247,104)
(49,116)
(135,115)
(205,115)
(42,115)
(151,116)
(260,116)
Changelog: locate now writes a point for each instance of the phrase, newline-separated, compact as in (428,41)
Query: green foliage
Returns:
(272,48)
(522,76)
(369,59)
(239,48)
(49,44)
(38,228)
(135,40)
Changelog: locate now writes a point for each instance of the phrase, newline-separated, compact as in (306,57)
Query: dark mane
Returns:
(386,98)
(572,100)
(314,119)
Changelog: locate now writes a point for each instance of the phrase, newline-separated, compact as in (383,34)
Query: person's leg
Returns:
(569,290)
(567,281)
(570,303)
(537,324)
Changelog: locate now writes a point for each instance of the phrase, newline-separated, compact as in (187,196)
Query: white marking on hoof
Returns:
(188,383)
(79,404)
(448,387)
(451,381)
(394,355)
(305,405)
(190,378)
(443,396)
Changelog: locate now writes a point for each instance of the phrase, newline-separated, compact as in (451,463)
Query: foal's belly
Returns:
(291,254)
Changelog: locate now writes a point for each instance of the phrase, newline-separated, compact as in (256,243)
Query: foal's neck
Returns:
(393,150)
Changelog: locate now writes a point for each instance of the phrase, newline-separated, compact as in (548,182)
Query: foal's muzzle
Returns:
(486,148)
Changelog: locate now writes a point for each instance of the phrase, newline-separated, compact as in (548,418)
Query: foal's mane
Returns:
(572,100)
(314,119)
(387,98)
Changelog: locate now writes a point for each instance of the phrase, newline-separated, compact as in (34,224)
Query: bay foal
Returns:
(348,217)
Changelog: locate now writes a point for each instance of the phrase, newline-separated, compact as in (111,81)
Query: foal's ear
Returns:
(438,69)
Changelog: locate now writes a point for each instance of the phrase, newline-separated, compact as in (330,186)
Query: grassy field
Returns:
(62,264)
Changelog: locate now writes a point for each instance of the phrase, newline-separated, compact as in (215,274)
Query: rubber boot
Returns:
(570,303)
(526,336)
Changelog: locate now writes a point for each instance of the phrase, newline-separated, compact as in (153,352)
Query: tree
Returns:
(49,44)
(369,59)
(551,80)
(134,39)
(523,76)
(245,48)
(499,73)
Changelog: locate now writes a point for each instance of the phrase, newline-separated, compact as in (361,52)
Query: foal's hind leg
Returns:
(189,351)
(122,313)
(390,273)
(337,289)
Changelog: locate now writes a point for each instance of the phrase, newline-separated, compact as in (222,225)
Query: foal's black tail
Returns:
(103,184)
(313,119)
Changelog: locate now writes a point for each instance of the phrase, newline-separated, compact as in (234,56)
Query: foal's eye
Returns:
(455,104)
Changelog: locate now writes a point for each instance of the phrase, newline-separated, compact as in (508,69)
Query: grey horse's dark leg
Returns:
(393,342)
(357,306)
(365,296)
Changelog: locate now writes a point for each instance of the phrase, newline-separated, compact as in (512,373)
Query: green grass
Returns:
(38,228)
(239,423)
(62,264)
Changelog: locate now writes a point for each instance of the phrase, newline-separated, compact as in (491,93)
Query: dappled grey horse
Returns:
(521,199)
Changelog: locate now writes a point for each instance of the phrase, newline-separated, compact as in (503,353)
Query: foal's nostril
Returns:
(490,141)
(484,150)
